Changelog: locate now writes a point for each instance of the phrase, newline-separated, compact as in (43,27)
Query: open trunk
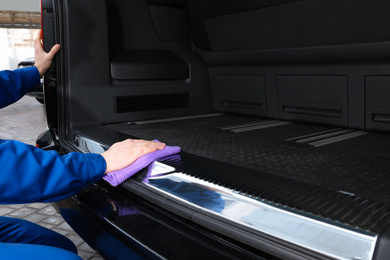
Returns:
(320,157)
(281,109)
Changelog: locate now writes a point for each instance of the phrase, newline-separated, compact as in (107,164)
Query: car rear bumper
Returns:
(120,225)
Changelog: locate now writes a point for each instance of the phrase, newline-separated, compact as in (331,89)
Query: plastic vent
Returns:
(151,102)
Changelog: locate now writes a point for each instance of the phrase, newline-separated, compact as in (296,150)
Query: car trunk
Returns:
(283,103)
(331,158)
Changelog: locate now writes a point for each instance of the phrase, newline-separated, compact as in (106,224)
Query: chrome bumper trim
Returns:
(330,239)
(334,241)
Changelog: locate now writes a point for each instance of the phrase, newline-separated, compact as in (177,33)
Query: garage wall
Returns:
(15,45)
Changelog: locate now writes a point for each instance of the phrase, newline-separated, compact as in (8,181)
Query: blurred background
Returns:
(19,19)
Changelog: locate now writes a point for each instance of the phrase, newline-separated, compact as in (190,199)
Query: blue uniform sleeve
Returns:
(29,174)
(14,84)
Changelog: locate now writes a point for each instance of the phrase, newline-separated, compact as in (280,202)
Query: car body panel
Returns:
(282,125)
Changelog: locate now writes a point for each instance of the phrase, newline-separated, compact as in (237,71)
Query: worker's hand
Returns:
(42,59)
(122,154)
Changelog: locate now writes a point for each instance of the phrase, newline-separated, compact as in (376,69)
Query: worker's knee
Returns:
(24,232)
(35,252)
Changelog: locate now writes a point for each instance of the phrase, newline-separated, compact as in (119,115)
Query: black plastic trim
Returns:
(382,248)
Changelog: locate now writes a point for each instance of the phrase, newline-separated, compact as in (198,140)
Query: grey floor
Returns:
(24,121)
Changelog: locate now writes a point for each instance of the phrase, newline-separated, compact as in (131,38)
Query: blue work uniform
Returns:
(29,174)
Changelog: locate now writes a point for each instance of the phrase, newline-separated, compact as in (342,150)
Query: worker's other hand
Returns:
(122,154)
(42,59)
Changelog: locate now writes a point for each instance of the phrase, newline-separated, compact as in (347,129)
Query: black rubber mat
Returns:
(347,163)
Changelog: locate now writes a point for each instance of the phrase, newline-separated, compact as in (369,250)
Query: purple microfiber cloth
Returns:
(117,177)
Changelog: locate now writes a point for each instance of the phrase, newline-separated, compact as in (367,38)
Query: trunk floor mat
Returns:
(286,162)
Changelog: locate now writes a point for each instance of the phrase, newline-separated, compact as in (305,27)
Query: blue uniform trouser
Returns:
(21,239)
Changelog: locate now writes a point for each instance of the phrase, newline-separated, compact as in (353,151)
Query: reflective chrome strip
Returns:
(175,119)
(88,146)
(254,126)
(314,134)
(237,126)
(260,127)
(338,138)
(323,136)
(324,238)
(327,137)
